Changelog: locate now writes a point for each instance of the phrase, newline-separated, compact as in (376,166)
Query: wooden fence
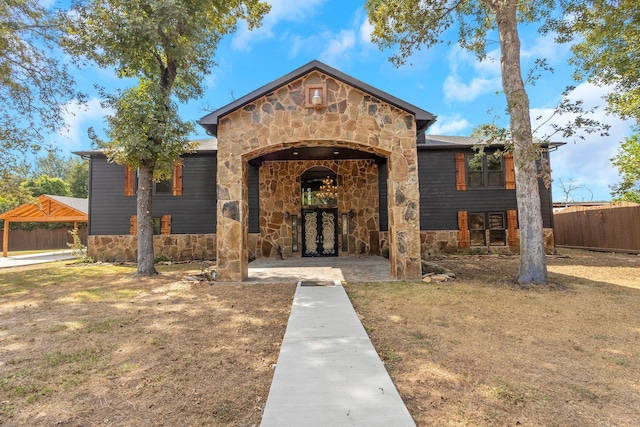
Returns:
(612,227)
(22,240)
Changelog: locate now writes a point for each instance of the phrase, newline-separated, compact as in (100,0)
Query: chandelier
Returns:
(328,193)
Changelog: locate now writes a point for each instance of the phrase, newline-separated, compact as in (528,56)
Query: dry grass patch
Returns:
(480,351)
(98,346)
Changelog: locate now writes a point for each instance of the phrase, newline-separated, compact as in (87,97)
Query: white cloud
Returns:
(338,47)
(46,3)
(449,125)
(78,118)
(281,10)
(365,31)
(587,161)
(485,75)
(545,47)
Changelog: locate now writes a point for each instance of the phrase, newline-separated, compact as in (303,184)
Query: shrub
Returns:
(79,250)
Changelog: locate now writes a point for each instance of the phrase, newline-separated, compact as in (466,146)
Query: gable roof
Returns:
(50,209)
(423,118)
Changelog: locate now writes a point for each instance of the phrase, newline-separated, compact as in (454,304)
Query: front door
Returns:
(319,236)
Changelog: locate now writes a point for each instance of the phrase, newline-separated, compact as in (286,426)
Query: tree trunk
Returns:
(533,263)
(146,266)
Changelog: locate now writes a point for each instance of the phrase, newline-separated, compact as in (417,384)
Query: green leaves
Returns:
(607,53)
(628,163)
(34,85)
(168,46)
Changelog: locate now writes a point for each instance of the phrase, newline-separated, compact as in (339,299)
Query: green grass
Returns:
(86,358)
(16,280)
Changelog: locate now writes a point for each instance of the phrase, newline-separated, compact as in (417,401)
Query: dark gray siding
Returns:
(193,212)
(440,201)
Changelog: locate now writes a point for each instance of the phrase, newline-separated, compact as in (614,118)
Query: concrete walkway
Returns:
(328,372)
(20,260)
(350,269)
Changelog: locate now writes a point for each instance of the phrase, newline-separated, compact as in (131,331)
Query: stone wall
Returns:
(177,247)
(446,242)
(348,118)
(180,247)
(280,197)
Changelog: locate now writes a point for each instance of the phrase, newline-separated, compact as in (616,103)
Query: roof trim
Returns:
(423,118)
(427,142)
(49,209)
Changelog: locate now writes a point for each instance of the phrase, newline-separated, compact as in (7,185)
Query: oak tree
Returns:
(414,24)
(35,85)
(166,47)
(607,53)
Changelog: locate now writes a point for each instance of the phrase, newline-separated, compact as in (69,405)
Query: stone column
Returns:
(404,213)
(232,223)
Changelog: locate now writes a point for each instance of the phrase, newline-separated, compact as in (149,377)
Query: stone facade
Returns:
(348,118)
(280,199)
(446,242)
(180,247)
(177,247)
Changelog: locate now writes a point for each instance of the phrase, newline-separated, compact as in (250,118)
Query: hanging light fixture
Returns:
(328,192)
(316,99)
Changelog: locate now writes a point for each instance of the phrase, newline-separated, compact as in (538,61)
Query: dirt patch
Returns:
(481,351)
(95,346)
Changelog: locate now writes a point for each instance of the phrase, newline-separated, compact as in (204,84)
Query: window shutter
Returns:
(133,225)
(129,178)
(177,179)
(512,228)
(165,224)
(461,179)
(463,229)
(509,172)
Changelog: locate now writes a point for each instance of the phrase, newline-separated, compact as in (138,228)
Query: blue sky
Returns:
(443,80)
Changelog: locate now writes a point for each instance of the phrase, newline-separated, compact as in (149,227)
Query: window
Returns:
(477,230)
(487,225)
(172,186)
(156,226)
(497,235)
(484,171)
(161,225)
(163,187)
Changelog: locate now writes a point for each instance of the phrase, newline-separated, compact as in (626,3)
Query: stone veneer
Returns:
(177,247)
(350,118)
(180,247)
(446,242)
(280,194)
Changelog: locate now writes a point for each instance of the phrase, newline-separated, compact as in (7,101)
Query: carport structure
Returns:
(46,208)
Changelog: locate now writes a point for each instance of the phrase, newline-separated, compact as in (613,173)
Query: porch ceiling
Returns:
(318,153)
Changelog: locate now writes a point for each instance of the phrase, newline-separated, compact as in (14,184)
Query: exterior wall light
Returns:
(317,98)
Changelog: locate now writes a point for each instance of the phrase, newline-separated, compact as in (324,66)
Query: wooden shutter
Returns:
(177,179)
(463,230)
(133,225)
(512,228)
(509,172)
(129,178)
(165,224)
(461,178)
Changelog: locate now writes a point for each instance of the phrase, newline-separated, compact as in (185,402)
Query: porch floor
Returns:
(349,269)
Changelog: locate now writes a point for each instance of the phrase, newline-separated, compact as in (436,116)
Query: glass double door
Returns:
(320,232)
